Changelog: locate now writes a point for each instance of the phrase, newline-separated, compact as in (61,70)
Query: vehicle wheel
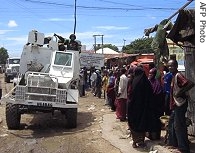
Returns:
(12,116)
(63,112)
(71,118)
(7,79)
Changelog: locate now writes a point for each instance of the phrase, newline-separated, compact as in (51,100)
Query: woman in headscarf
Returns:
(157,105)
(139,107)
(111,95)
(130,76)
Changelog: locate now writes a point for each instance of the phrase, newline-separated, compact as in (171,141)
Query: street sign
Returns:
(91,60)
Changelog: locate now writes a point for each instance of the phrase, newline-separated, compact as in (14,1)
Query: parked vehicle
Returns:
(48,82)
(12,68)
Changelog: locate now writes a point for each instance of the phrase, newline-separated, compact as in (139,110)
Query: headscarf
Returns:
(138,75)
(139,105)
(156,86)
(130,76)
(131,70)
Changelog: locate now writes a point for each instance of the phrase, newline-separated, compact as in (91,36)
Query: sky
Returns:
(120,22)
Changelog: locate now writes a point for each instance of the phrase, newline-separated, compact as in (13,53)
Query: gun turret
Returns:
(59,37)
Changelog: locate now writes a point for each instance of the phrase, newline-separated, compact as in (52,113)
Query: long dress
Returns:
(111,95)
(158,107)
(139,111)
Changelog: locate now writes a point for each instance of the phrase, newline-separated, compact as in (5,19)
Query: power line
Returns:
(52,11)
(49,3)
(101,8)
(118,3)
(28,10)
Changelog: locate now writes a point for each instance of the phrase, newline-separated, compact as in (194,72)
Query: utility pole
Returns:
(102,42)
(124,42)
(123,46)
(94,43)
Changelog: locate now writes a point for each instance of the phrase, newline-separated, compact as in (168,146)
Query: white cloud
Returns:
(20,39)
(12,23)
(14,45)
(153,17)
(112,28)
(4,31)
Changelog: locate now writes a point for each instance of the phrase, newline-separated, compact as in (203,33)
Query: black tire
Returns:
(12,116)
(7,79)
(63,112)
(71,118)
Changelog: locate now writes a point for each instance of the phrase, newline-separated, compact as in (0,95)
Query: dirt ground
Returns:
(46,133)
(98,131)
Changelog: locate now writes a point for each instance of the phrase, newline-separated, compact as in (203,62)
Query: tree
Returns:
(139,46)
(113,47)
(4,55)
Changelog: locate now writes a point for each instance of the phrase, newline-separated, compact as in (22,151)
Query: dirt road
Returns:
(98,131)
(46,133)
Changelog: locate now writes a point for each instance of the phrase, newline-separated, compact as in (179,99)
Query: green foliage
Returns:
(3,55)
(139,46)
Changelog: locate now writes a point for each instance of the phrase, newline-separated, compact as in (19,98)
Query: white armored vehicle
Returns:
(48,81)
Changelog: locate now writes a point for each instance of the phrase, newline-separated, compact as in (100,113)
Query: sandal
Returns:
(134,145)
(175,151)
(141,145)
(170,147)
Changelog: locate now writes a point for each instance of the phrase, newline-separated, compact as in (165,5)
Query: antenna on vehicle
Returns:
(75,13)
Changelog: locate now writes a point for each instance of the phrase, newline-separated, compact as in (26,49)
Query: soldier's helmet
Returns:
(72,36)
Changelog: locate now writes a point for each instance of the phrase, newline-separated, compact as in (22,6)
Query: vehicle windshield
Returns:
(63,59)
(14,61)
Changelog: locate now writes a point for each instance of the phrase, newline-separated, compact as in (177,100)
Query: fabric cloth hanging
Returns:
(159,43)
(184,27)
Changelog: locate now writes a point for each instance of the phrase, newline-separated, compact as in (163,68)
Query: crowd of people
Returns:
(141,100)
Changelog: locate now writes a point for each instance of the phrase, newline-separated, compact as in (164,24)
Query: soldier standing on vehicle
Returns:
(71,43)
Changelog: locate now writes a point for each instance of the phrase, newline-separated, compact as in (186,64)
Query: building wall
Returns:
(190,74)
(174,49)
